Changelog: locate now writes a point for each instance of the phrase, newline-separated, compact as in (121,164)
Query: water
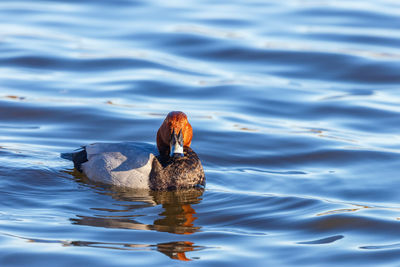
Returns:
(295,110)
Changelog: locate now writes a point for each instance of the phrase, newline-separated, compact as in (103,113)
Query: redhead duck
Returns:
(171,165)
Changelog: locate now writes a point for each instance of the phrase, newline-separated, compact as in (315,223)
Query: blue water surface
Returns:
(296,117)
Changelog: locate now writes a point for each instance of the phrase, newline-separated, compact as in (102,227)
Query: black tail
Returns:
(67,156)
(78,158)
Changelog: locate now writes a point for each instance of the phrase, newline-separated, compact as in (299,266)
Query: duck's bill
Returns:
(176,150)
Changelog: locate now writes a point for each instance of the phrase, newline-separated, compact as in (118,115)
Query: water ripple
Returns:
(294,107)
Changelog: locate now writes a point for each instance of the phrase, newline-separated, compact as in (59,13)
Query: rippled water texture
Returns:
(295,107)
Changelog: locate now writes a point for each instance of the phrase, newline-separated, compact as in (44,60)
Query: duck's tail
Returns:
(68,156)
(77,158)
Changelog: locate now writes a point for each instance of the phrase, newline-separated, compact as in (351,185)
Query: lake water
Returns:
(296,117)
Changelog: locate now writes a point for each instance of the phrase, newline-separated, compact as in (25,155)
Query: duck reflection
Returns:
(178,215)
(128,210)
(174,250)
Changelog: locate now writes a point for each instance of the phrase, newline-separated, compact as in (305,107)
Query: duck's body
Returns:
(121,164)
(140,165)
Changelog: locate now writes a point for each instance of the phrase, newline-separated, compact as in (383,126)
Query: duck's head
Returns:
(174,134)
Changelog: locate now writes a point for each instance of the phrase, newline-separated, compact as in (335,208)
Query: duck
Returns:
(170,165)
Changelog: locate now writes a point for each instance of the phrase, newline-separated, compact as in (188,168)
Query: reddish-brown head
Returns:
(175,126)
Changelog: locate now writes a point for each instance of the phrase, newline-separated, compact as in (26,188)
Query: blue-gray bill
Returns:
(176,145)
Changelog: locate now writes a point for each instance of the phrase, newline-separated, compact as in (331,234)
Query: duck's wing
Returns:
(122,164)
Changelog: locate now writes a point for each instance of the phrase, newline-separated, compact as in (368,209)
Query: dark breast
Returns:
(177,173)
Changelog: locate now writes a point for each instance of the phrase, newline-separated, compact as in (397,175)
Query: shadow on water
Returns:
(177,217)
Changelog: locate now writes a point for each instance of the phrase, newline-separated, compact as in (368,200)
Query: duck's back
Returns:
(121,164)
